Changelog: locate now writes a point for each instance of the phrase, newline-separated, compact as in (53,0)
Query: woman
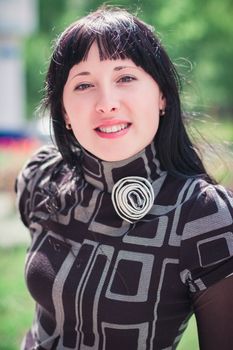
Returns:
(130,235)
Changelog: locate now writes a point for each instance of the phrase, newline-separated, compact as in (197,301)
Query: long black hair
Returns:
(120,34)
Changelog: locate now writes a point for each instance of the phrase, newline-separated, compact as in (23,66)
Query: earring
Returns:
(68,126)
(161,112)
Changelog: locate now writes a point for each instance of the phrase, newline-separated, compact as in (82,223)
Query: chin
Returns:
(115,154)
(115,157)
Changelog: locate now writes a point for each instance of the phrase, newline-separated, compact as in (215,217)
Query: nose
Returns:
(107,102)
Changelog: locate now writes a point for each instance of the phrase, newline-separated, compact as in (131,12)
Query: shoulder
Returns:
(207,235)
(36,170)
(209,201)
(194,196)
(211,191)
(44,158)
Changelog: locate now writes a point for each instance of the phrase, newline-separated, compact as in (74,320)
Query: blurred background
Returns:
(198,36)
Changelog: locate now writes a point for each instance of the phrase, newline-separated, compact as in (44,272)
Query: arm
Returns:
(213,309)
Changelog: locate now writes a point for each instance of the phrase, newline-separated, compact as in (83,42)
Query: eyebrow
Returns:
(118,68)
(122,67)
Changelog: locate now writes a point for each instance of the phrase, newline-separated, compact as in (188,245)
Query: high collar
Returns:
(103,174)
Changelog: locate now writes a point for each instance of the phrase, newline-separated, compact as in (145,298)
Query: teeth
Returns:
(113,128)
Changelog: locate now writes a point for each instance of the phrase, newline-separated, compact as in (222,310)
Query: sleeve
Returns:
(206,254)
(213,310)
(29,177)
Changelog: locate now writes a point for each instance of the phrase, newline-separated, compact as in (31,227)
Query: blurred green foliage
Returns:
(16,306)
(196,34)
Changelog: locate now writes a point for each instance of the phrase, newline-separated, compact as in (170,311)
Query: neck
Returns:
(103,174)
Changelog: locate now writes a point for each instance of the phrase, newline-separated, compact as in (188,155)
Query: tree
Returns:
(192,31)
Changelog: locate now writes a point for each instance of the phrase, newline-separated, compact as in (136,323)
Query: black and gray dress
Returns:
(103,283)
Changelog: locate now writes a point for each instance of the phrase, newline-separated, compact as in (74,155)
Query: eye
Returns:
(126,79)
(83,86)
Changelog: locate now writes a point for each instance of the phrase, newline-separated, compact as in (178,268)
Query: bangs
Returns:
(115,36)
(118,35)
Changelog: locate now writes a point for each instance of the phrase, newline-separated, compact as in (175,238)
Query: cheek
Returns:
(73,111)
(152,121)
(81,134)
(70,103)
(151,110)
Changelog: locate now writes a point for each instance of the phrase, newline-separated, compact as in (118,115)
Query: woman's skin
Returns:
(113,106)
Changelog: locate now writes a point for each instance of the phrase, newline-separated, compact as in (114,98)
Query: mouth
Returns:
(111,129)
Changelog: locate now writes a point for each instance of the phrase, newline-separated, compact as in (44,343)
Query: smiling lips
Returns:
(113,130)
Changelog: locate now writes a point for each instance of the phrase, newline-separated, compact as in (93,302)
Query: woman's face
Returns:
(112,105)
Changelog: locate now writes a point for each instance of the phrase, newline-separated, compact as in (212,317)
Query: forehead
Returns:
(94,54)
(93,61)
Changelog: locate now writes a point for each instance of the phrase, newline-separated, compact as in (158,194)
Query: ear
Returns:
(66,118)
(162,102)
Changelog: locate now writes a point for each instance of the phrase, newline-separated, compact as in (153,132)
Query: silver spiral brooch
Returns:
(132,198)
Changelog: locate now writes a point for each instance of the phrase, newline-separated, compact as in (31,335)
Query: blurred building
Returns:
(18,19)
